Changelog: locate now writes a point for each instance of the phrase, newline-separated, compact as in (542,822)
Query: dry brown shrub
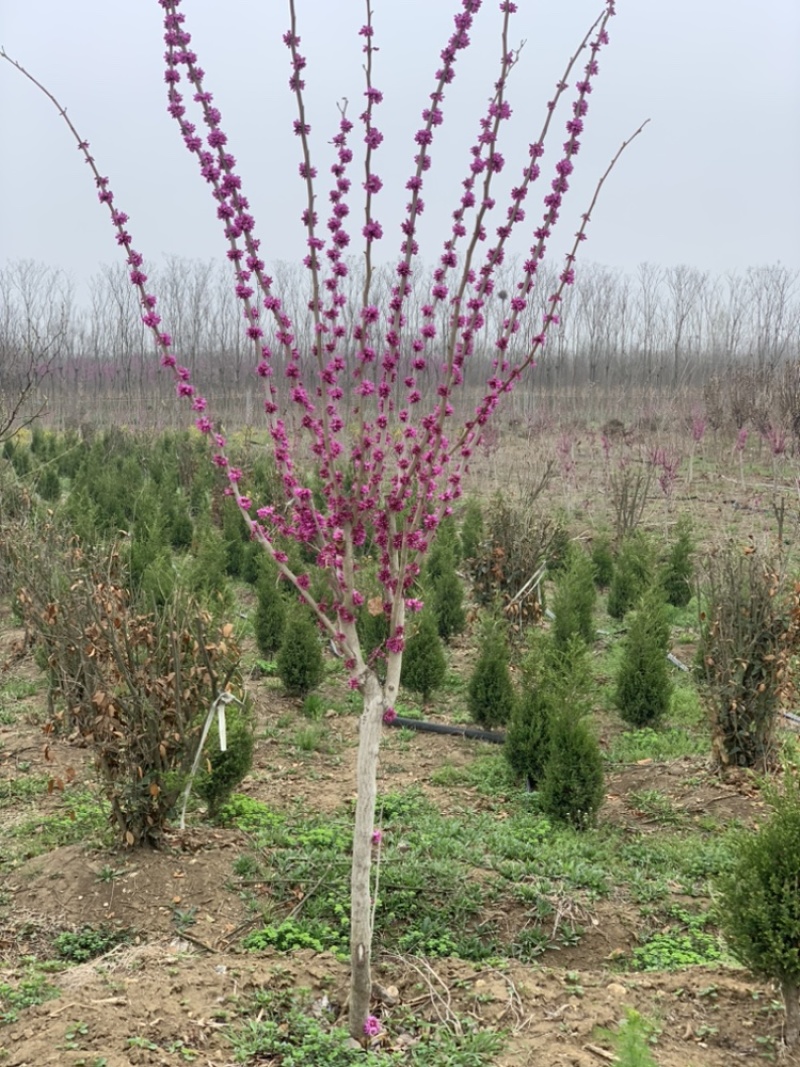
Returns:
(509,565)
(750,634)
(134,686)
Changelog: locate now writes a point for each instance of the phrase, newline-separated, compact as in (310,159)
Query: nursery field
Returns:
(503,934)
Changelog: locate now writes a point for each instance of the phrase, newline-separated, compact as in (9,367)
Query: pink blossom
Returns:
(372,1026)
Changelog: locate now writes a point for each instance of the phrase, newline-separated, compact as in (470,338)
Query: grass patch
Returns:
(658,745)
(27,993)
(686,942)
(250,816)
(685,618)
(430,901)
(18,790)
(488,775)
(82,817)
(311,738)
(78,946)
(11,694)
(20,689)
(687,711)
(687,861)
(314,707)
(280,1027)
(654,805)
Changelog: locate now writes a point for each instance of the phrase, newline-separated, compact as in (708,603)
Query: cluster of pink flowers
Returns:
(776,439)
(391,473)
(698,427)
(666,462)
(372,1026)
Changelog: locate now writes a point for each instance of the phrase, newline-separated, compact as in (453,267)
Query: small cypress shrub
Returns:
(445,593)
(223,771)
(554,680)
(447,603)
(48,484)
(38,444)
(644,686)
(631,1040)
(559,546)
(200,492)
(265,481)
(181,527)
(572,787)
(80,512)
(301,666)
(372,625)
(574,599)
(68,454)
(678,571)
(446,546)
(235,535)
(758,905)
(490,695)
(603,561)
(269,622)
(634,572)
(207,572)
(471,529)
(174,505)
(424,663)
(251,562)
(152,575)
(158,583)
(20,460)
(527,746)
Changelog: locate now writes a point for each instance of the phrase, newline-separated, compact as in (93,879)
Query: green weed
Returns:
(28,992)
(20,689)
(311,738)
(489,775)
(74,1036)
(251,816)
(684,943)
(282,1029)
(657,745)
(89,942)
(294,934)
(267,668)
(314,707)
(632,1040)
(654,805)
(28,787)
(82,817)
(141,1042)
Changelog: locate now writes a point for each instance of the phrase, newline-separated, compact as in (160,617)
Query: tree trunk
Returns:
(791,1003)
(360,902)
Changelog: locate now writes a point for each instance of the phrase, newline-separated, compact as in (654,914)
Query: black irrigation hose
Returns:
(458,731)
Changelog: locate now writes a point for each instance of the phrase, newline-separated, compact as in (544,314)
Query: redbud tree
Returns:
(388,454)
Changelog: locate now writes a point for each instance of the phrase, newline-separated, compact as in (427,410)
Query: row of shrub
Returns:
(182,536)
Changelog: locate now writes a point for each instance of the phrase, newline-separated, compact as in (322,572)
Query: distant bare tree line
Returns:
(659,330)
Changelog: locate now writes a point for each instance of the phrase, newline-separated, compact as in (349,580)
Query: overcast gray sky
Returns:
(714,181)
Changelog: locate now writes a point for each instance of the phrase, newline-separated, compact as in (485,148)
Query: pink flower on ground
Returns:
(372,1026)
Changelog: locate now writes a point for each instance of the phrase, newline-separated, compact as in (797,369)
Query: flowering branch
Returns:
(387,472)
